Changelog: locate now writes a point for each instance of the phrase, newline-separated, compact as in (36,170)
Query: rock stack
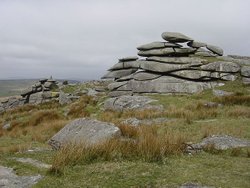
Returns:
(178,65)
(38,93)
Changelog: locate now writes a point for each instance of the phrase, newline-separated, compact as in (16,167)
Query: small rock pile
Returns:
(168,67)
(38,93)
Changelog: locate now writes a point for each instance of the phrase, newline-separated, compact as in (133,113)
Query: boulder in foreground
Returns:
(84,131)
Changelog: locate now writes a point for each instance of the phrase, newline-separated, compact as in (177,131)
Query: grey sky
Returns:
(83,38)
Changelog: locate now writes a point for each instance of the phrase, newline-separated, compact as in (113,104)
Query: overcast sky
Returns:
(83,38)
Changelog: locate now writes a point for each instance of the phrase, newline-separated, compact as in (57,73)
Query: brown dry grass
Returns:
(79,108)
(239,112)
(237,99)
(147,145)
(43,116)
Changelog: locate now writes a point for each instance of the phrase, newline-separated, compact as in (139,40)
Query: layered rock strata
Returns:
(38,93)
(177,65)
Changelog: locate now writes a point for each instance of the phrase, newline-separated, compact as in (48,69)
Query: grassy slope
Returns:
(220,169)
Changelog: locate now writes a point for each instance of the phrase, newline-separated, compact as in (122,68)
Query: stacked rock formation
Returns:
(169,67)
(38,93)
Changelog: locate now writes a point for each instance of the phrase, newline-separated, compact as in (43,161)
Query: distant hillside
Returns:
(14,87)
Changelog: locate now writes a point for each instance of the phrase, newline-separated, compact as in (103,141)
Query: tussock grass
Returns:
(129,131)
(43,116)
(147,145)
(239,112)
(234,100)
(80,108)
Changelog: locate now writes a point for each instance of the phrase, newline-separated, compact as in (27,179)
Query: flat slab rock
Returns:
(33,162)
(175,37)
(137,122)
(8,179)
(84,131)
(130,102)
(168,84)
(221,142)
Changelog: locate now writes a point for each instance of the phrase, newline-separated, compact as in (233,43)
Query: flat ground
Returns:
(32,126)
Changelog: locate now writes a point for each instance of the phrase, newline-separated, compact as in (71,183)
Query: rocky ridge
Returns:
(169,67)
(40,92)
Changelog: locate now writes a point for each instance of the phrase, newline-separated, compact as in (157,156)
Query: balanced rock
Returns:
(85,132)
(175,37)
(215,49)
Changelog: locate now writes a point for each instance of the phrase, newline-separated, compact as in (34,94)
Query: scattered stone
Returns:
(130,103)
(8,179)
(221,93)
(120,93)
(212,105)
(92,92)
(7,126)
(64,98)
(136,122)
(84,131)
(33,162)
(246,81)
(221,142)
(175,37)
(215,49)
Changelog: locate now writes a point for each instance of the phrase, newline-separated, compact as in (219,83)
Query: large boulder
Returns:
(154,66)
(27,91)
(195,44)
(85,132)
(130,103)
(115,85)
(178,60)
(245,71)
(221,66)
(143,75)
(36,98)
(168,84)
(64,98)
(175,37)
(155,45)
(215,49)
